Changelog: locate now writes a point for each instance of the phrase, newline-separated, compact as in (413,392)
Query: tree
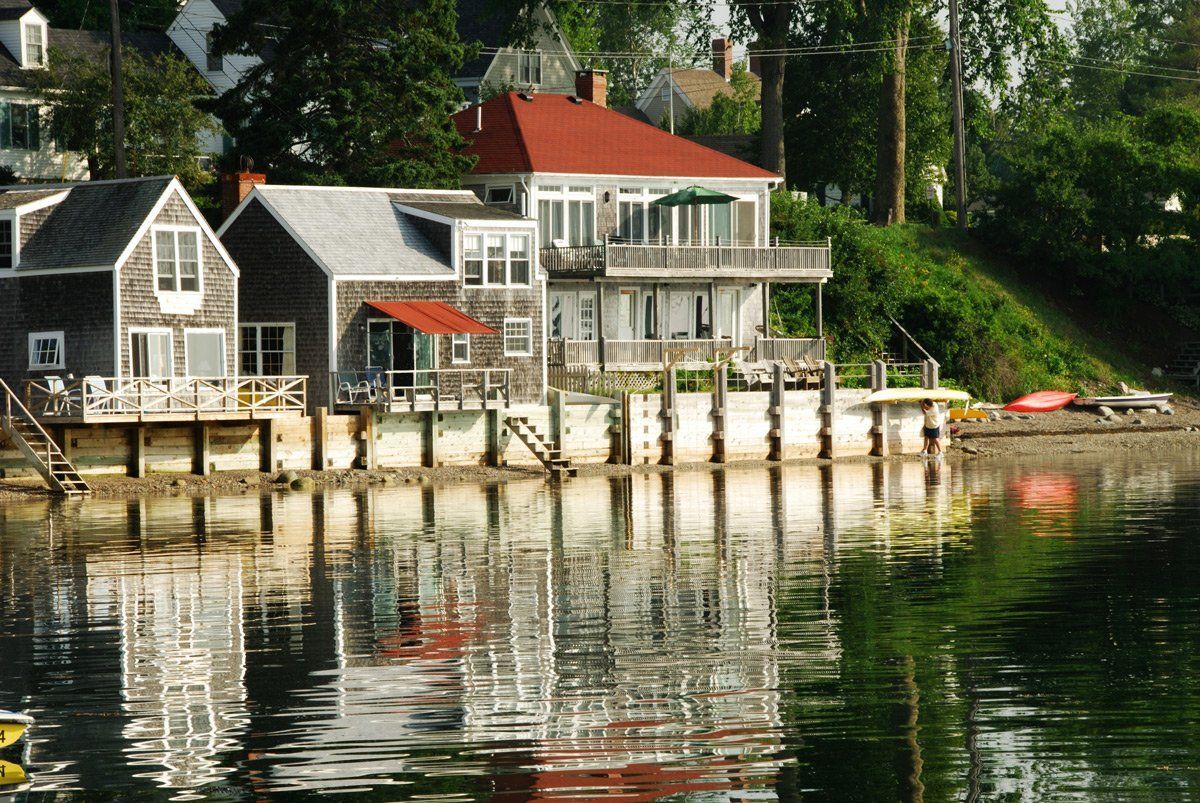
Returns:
(162,121)
(737,112)
(92,15)
(350,91)
(771,24)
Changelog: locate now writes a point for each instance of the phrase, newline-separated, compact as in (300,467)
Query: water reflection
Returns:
(877,631)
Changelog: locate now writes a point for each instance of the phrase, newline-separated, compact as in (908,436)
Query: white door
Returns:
(205,352)
(727,315)
(627,315)
(679,316)
(587,316)
(562,315)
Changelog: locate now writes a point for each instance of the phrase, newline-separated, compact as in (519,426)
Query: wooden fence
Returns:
(99,398)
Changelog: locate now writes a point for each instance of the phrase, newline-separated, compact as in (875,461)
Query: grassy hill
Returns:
(996,331)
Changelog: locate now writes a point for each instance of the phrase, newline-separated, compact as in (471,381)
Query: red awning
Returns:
(432,317)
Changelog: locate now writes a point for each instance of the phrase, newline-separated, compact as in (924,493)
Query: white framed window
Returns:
(20,127)
(666,92)
(497,260)
(473,259)
(8,258)
(267,349)
(529,68)
(46,351)
(500,195)
(177,265)
(518,337)
(460,349)
(35,45)
(151,353)
(204,352)
(567,217)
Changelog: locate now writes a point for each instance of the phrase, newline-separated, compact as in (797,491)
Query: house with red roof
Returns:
(630,279)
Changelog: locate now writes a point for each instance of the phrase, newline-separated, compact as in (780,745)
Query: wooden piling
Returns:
(201,462)
(719,401)
(320,439)
(268,460)
(493,425)
(826,410)
(668,417)
(137,452)
(366,438)
(879,414)
(775,411)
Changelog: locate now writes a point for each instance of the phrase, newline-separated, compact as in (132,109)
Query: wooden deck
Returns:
(808,262)
(420,391)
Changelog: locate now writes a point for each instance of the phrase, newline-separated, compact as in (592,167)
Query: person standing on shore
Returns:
(932,429)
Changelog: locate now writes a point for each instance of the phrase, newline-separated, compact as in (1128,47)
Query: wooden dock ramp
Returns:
(18,426)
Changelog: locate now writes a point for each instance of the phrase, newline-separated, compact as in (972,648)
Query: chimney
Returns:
(722,50)
(235,187)
(755,60)
(592,85)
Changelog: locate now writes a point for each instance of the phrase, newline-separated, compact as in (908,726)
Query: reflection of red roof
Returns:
(555,134)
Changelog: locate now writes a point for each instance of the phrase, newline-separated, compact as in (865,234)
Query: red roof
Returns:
(558,134)
(432,317)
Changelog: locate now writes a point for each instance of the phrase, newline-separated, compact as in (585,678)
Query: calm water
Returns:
(1002,631)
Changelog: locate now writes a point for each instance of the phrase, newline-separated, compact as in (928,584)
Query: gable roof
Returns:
(701,86)
(92,226)
(561,134)
(92,44)
(14,9)
(351,231)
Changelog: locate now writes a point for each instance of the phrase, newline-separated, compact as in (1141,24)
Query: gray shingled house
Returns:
(406,298)
(115,280)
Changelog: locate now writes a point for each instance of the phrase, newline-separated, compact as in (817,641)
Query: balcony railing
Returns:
(801,261)
(441,389)
(98,398)
(653,354)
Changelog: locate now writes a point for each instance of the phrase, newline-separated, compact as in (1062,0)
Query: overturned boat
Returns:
(13,727)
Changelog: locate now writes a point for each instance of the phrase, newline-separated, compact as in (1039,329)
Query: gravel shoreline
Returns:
(1070,431)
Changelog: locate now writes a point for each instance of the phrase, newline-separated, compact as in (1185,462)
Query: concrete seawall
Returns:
(637,429)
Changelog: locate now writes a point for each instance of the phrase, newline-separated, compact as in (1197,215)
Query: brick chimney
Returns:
(592,85)
(755,60)
(235,187)
(722,50)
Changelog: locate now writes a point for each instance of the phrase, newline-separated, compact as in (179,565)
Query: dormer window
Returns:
(215,62)
(35,46)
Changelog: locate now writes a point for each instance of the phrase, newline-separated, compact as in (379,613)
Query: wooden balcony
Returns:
(801,262)
(413,391)
(96,399)
(652,355)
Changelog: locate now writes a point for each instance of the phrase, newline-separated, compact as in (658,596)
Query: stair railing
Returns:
(11,401)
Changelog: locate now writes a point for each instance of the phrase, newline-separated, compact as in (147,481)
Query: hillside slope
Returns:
(994,333)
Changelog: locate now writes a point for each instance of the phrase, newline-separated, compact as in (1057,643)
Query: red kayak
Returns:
(1044,401)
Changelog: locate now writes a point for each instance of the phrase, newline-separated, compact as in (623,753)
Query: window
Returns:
(529,68)
(204,352)
(744,228)
(6,244)
(568,217)
(35,45)
(518,337)
(150,354)
(45,350)
(460,349)
(496,260)
(20,127)
(268,349)
(216,63)
(473,259)
(666,92)
(177,260)
(499,195)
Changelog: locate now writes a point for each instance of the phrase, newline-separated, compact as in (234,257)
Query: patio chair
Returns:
(56,396)
(814,373)
(353,389)
(96,389)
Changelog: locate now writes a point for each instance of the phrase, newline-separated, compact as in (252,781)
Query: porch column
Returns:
(766,294)
(712,310)
(658,316)
(600,321)
(820,312)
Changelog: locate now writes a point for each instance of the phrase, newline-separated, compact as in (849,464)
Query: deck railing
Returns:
(789,348)
(616,354)
(441,389)
(630,259)
(109,397)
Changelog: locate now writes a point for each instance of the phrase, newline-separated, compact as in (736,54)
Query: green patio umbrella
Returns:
(694,196)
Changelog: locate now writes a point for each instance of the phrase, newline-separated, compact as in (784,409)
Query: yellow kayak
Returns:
(12,728)
(11,775)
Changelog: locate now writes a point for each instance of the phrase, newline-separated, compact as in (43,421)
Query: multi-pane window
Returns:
(150,354)
(496,260)
(35,45)
(268,349)
(215,62)
(529,68)
(20,127)
(567,217)
(518,337)
(177,260)
(473,259)
(45,350)
(460,349)
(6,244)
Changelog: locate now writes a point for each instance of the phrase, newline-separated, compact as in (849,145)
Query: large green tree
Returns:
(770,24)
(349,91)
(162,122)
(737,112)
(92,15)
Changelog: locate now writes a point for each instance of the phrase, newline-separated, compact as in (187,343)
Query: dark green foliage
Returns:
(92,15)
(351,92)
(986,340)
(162,122)
(738,113)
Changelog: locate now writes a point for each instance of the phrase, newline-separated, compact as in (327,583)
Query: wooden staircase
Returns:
(1184,366)
(17,425)
(557,466)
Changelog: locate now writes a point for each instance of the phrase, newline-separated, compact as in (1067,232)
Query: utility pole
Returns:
(118,90)
(671,88)
(960,146)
